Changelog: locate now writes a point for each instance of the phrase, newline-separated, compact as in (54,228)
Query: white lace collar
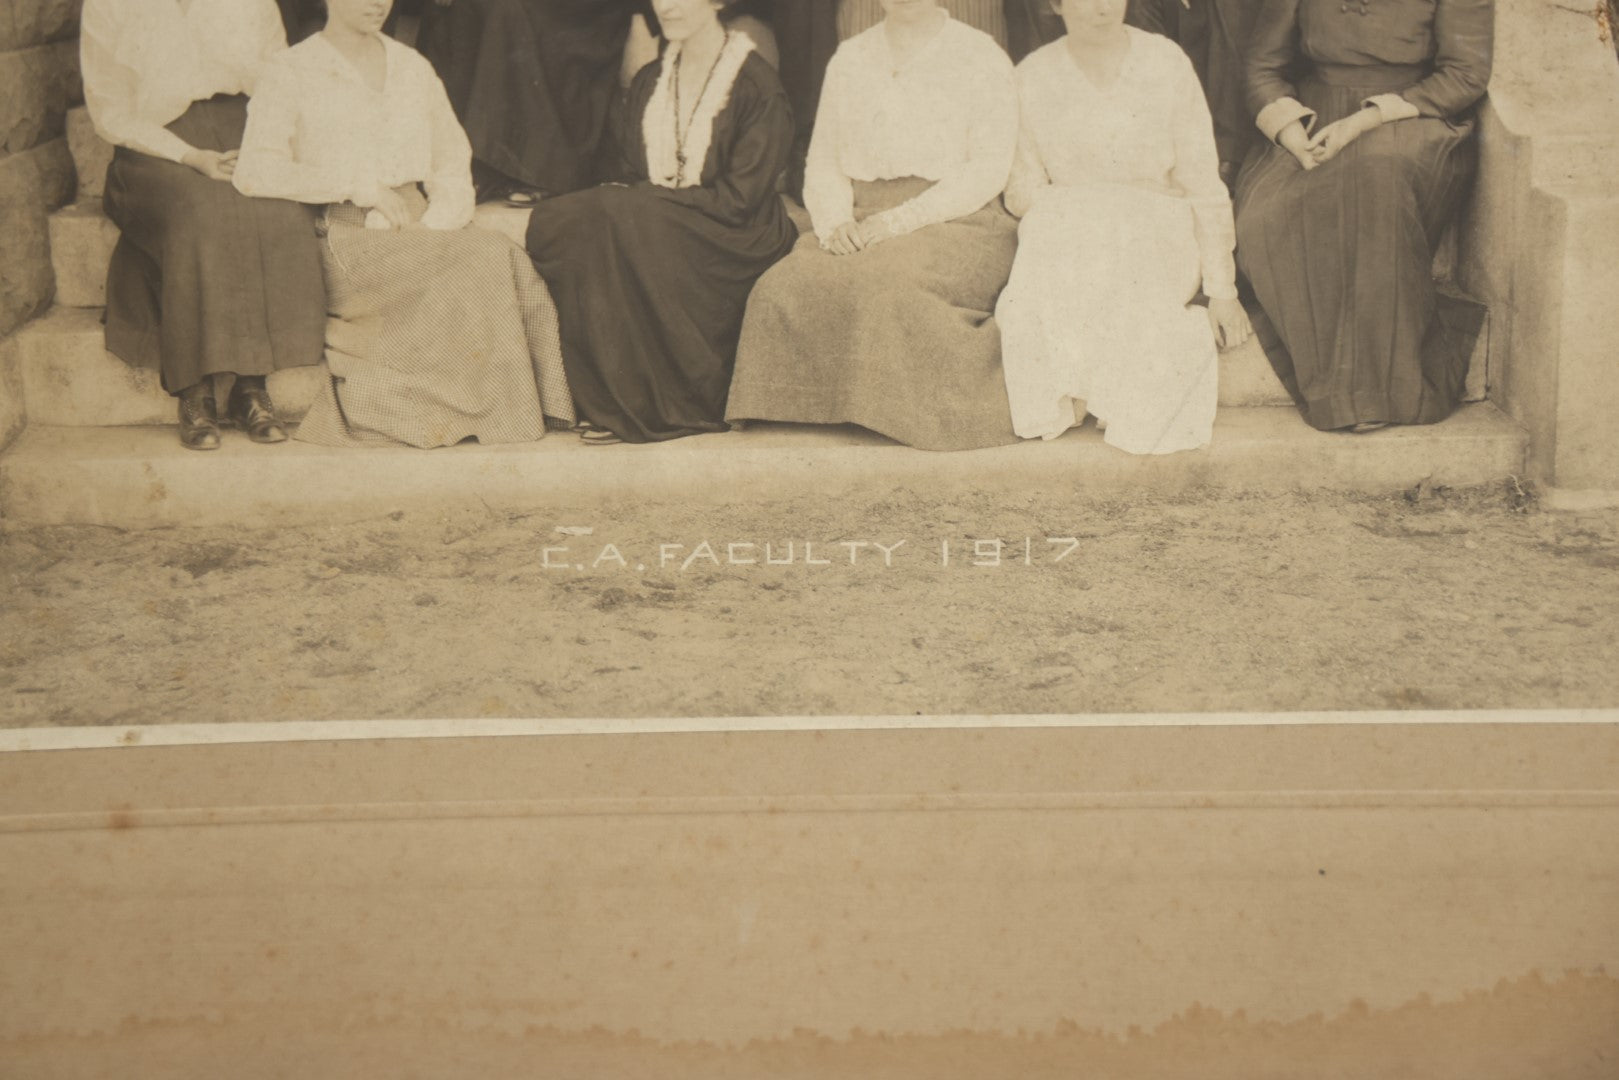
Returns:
(659,121)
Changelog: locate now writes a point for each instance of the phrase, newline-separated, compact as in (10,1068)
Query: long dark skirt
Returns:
(1341,260)
(649,296)
(531,81)
(899,338)
(204,279)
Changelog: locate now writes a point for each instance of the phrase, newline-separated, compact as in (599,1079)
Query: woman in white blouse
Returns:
(203,282)
(882,317)
(1125,219)
(441,332)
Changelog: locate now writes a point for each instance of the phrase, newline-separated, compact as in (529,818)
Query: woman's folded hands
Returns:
(853,236)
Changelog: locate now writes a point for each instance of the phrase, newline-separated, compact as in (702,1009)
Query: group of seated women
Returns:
(990,253)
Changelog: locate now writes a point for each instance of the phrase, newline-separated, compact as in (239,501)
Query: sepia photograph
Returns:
(792,539)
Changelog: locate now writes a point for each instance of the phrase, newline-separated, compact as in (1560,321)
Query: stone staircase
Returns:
(100,448)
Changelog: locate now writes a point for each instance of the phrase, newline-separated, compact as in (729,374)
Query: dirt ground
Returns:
(1212,602)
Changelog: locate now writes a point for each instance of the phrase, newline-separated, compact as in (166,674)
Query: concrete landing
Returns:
(137,477)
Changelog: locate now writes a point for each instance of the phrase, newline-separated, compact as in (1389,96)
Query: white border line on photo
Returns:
(125,736)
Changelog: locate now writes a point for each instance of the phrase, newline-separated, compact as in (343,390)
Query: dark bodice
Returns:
(1435,53)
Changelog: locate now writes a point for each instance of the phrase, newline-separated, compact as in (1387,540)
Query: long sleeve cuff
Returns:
(1274,118)
(1392,107)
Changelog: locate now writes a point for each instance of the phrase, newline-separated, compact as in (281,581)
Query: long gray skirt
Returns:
(434,337)
(899,338)
(203,279)
(1341,261)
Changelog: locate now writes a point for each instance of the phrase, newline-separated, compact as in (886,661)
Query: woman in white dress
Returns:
(1124,220)
(440,331)
(883,317)
(204,282)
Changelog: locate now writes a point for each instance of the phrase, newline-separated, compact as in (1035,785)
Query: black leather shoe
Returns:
(199,420)
(252,410)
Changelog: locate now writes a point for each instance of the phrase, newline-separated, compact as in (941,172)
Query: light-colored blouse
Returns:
(316,133)
(1149,129)
(949,114)
(858,16)
(145,62)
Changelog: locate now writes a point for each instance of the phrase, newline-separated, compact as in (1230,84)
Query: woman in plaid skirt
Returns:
(440,332)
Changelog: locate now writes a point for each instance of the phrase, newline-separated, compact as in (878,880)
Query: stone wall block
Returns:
(91,154)
(36,87)
(31,184)
(12,416)
(34,22)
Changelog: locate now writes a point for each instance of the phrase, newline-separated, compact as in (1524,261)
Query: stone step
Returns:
(81,244)
(82,240)
(91,155)
(138,477)
(70,379)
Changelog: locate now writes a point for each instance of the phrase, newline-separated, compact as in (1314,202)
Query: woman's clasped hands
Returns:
(1315,150)
(853,236)
(213,164)
(390,210)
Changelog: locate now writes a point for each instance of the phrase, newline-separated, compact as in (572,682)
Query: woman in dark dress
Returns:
(1371,154)
(204,281)
(651,273)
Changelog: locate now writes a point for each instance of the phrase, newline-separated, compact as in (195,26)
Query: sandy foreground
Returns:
(1436,599)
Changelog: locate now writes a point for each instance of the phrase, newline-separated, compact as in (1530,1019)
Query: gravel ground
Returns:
(1437,599)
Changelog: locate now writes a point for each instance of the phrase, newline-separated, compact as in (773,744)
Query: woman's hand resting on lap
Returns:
(1230,323)
(211,163)
(846,239)
(391,205)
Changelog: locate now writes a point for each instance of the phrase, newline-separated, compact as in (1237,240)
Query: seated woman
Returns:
(1124,219)
(203,281)
(883,317)
(1371,155)
(651,272)
(440,332)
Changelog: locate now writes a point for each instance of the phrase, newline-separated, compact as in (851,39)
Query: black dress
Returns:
(651,281)
(1341,256)
(531,81)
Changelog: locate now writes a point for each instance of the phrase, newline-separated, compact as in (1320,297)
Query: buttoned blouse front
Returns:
(317,133)
(145,62)
(948,114)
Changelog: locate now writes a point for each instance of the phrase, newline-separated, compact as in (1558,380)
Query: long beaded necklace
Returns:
(680,134)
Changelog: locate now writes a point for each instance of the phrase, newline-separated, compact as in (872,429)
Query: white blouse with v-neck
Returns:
(317,133)
(1148,128)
